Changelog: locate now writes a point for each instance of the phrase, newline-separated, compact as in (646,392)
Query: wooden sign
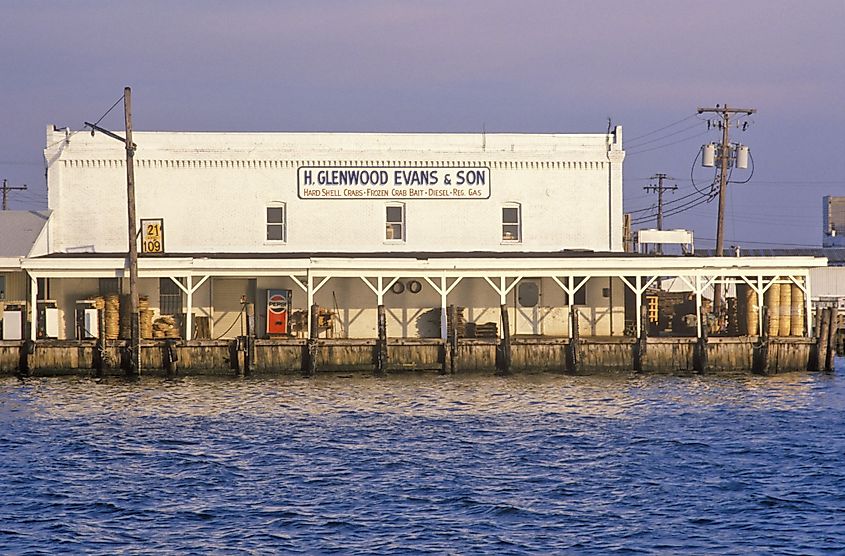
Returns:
(152,236)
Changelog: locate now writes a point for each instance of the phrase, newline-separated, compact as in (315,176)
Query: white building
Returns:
(449,192)
(350,221)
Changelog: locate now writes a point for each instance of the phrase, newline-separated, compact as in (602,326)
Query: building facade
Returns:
(522,226)
(285,198)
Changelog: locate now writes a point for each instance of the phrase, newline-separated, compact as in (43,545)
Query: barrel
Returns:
(111,316)
(748,310)
(785,323)
(798,307)
(771,300)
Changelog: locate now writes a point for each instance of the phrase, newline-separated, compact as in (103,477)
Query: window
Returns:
(276,223)
(511,223)
(2,288)
(528,293)
(170,297)
(108,286)
(395,222)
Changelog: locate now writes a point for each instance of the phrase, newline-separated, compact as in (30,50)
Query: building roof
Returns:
(835,255)
(18,231)
(420,255)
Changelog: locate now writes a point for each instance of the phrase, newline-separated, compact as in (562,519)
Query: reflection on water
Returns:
(523,464)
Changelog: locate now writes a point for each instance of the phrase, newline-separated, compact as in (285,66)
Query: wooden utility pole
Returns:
(724,162)
(135,334)
(660,188)
(6,188)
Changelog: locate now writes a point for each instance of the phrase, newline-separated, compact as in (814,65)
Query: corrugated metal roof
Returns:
(18,231)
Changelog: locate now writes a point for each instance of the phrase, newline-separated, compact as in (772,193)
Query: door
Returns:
(527,307)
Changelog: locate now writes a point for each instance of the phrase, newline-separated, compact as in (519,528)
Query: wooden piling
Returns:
(760,356)
(453,339)
(700,360)
(572,355)
(309,356)
(823,331)
(99,358)
(249,356)
(169,358)
(642,342)
(831,339)
(381,344)
(815,362)
(26,349)
(504,359)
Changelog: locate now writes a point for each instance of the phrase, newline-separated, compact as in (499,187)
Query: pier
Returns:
(241,356)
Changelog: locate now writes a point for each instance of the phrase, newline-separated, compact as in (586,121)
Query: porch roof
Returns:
(563,263)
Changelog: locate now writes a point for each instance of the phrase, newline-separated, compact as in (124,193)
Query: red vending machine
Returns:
(278,312)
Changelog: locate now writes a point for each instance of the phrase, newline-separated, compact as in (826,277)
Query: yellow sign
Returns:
(152,235)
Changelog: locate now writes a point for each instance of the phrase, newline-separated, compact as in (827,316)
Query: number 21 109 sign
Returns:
(152,235)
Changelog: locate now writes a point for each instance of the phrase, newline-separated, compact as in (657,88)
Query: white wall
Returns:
(828,281)
(212,190)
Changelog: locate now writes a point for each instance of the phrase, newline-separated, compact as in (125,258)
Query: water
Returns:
(530,464)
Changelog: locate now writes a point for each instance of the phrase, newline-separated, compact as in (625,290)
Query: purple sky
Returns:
(527,66)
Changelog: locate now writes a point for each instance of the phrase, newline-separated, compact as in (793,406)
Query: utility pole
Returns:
(135,334)
(660,188)
(6,188)
(135,328)
(724,160)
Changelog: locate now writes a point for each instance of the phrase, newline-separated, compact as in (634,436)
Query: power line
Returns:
(6,188)
(676,200)
(635,152)
(675,210)
(641,143)
(662,128)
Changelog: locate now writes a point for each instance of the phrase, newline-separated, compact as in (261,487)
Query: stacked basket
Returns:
(145,315)
(111,316)
(165,327)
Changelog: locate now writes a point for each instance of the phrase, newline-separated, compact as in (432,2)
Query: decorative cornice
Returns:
(293,164)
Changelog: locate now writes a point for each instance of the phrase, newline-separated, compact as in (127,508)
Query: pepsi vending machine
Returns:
(278,312)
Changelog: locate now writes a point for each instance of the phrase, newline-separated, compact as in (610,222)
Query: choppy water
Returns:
(425,464)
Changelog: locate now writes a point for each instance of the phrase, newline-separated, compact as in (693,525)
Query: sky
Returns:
(460,66)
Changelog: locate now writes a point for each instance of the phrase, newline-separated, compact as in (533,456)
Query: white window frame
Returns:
(283,224)
(388,224)
(518,223)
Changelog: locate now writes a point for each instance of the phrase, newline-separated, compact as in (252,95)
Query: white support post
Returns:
(189,312)
(567,291)
(310,295)
(503,300)
(574,320)
(443,318)
(760,323)
(444,289)
(639,289)
(698,290)
(808,305)
(33,307)
(639,305)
